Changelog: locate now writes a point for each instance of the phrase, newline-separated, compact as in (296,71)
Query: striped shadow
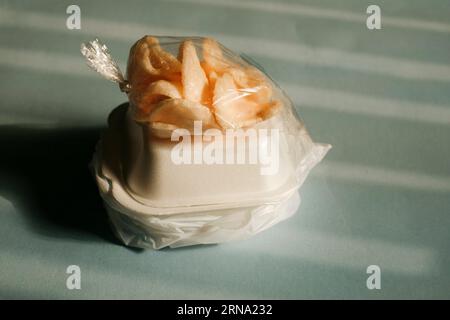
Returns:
(306,97)
(301,10)
(291,52)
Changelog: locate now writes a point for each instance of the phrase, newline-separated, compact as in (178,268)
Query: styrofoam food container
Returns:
(155,180)
(153,202)
(143,168)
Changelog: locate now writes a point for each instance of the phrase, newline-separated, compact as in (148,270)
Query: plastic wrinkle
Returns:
(154,203)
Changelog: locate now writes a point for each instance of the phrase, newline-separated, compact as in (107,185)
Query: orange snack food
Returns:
(231,92)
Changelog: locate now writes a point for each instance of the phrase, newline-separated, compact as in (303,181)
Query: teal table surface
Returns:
(380,197)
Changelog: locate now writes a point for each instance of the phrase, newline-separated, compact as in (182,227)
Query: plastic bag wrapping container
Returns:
(182,163)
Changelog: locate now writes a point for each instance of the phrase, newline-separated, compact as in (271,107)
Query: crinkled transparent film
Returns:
(175,83)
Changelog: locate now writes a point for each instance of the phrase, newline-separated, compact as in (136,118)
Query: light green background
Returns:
(381,196)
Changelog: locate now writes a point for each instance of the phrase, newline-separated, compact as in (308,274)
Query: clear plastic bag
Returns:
(209,149)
